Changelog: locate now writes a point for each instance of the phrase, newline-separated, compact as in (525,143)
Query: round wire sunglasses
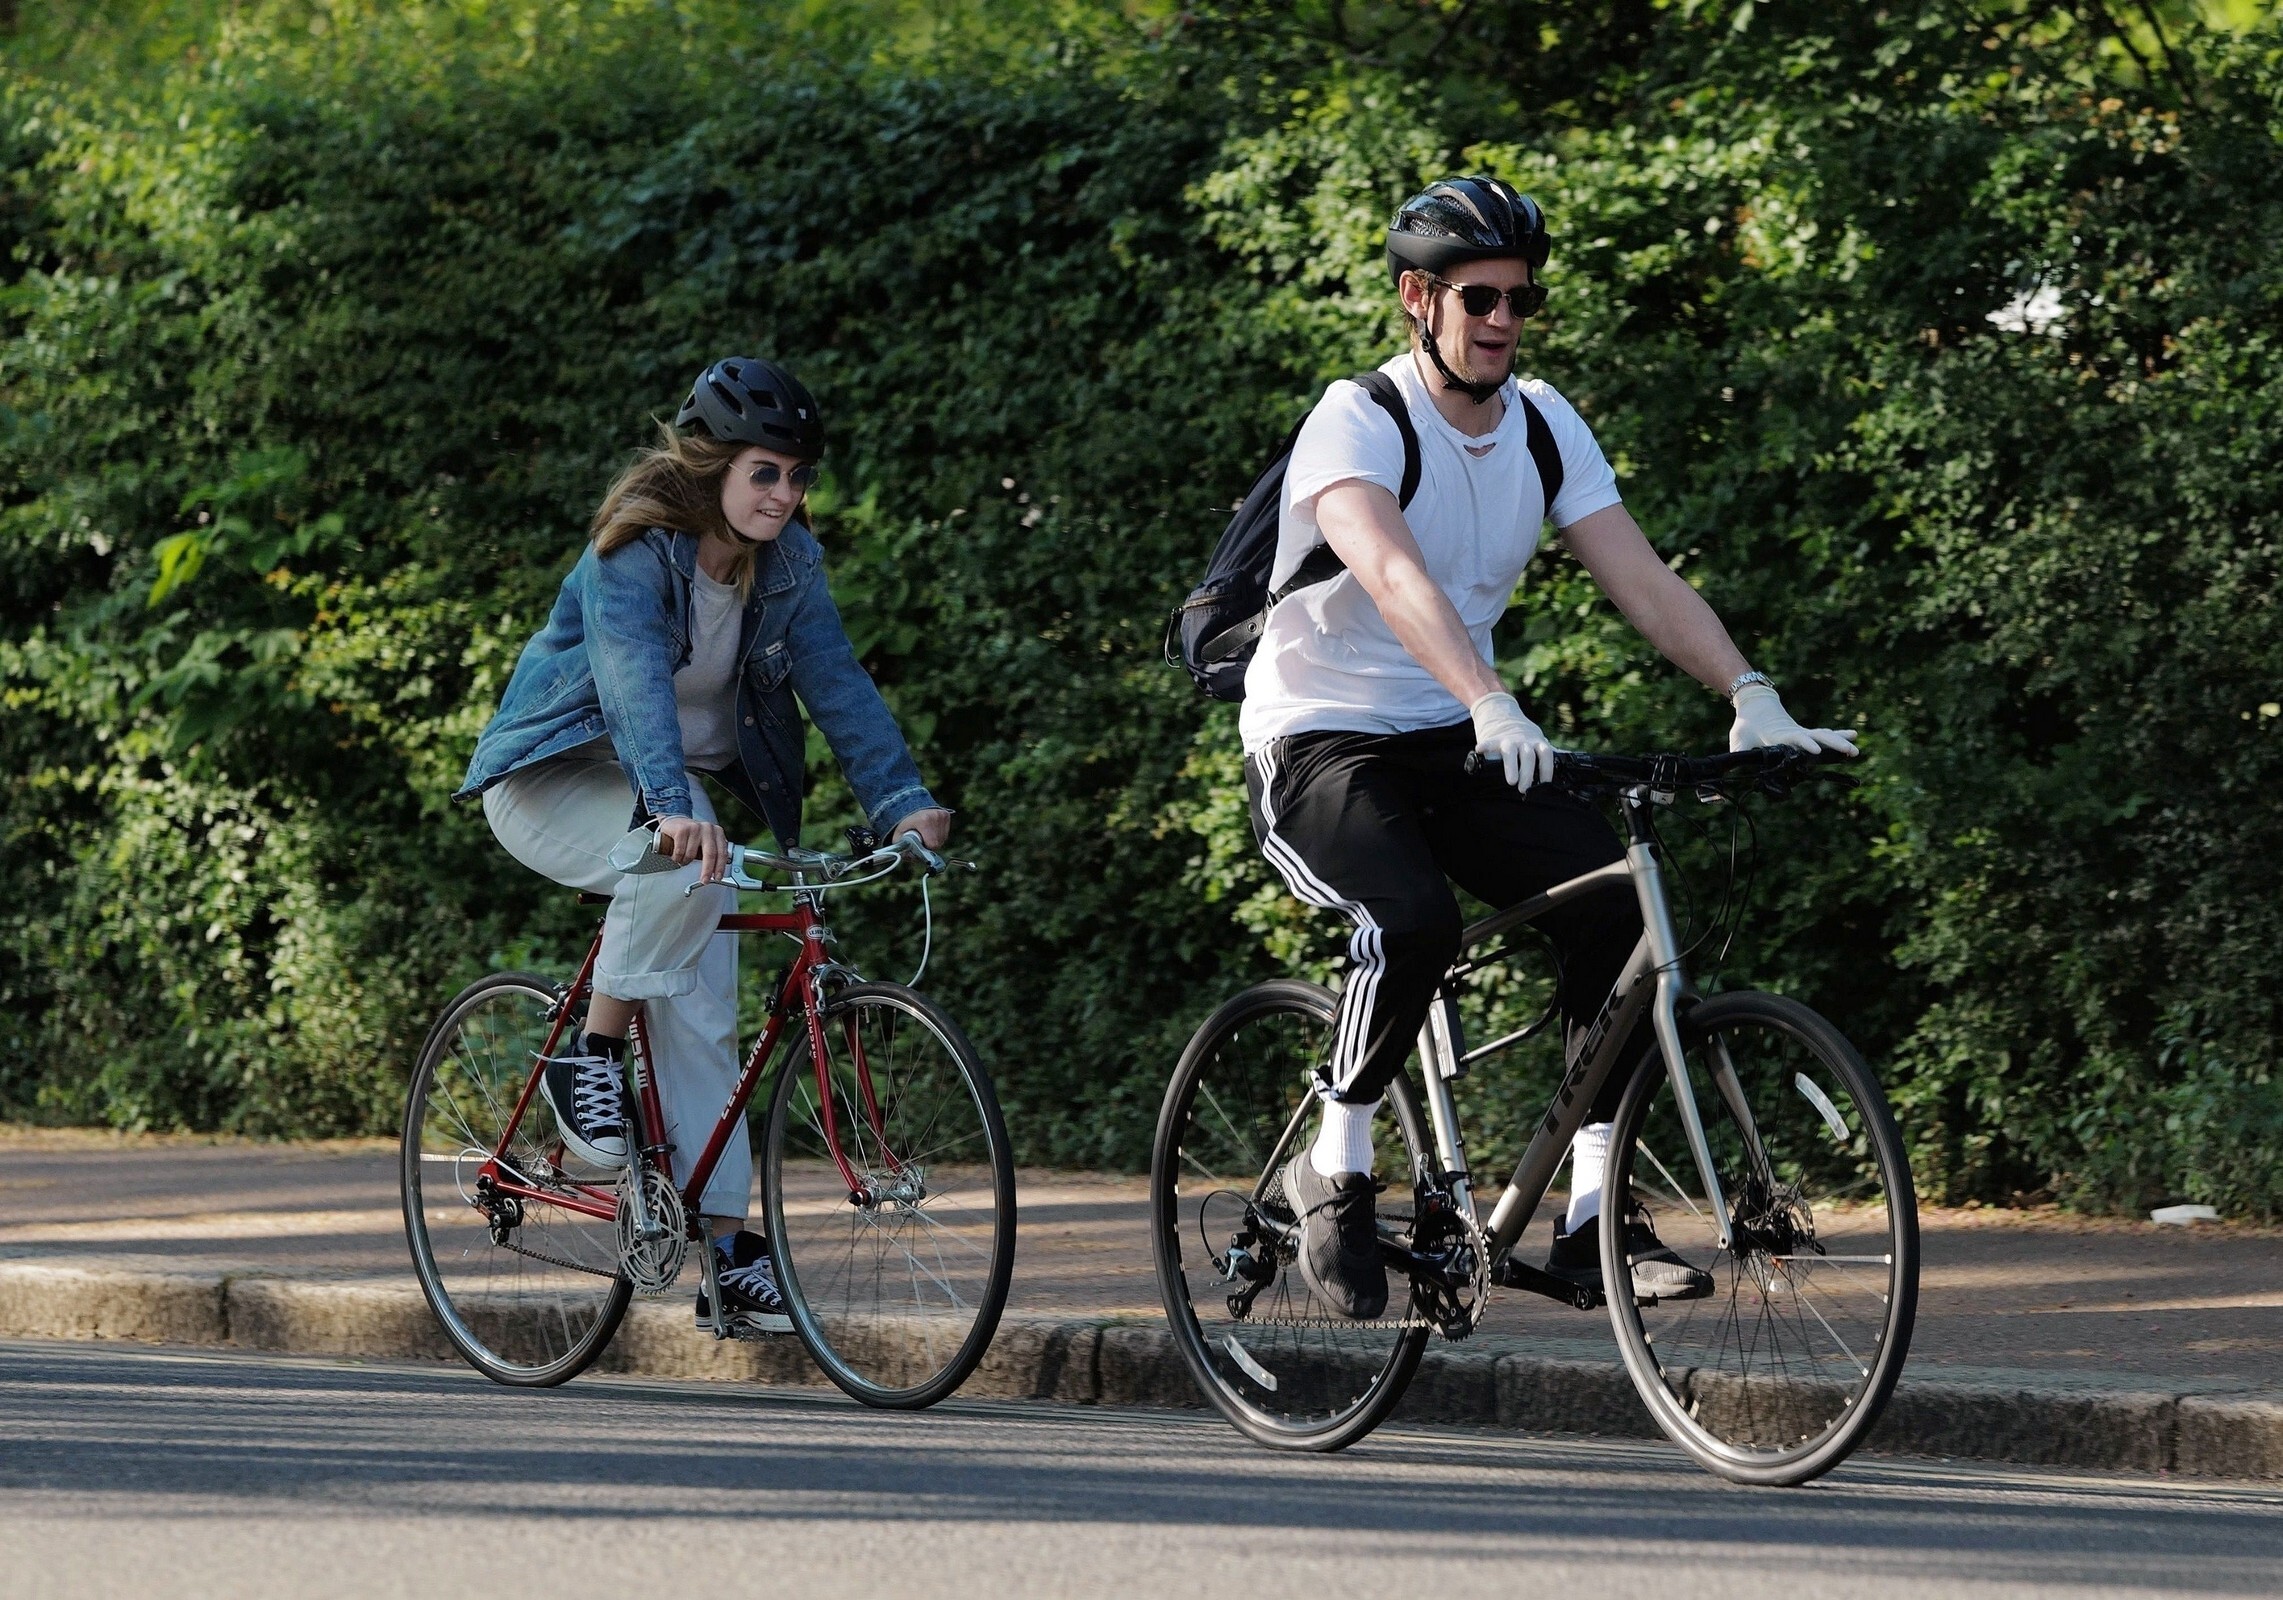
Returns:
(765,476)
(1481,299)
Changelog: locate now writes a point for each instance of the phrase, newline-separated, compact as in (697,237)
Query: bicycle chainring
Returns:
(1452,1302)
(651,1265)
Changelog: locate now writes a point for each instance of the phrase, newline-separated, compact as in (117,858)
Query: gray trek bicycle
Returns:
(1751,1136)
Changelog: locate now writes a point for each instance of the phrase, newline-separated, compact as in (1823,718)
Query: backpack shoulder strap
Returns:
(1382,388)
(1543,450)
(1323,562)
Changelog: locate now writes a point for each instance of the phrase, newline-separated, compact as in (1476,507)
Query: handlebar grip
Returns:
(909,840)
(637,853)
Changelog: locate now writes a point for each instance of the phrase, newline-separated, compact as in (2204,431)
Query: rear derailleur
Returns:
(503,1213)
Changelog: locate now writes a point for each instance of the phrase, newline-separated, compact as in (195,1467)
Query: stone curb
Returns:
(1084,1361)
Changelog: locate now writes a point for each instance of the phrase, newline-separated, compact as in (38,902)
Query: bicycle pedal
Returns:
(742,1327)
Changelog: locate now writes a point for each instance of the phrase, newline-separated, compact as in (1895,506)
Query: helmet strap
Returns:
(1477,392)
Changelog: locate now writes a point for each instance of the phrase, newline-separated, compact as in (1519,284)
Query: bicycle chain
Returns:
(557,1261)
(1351,1324)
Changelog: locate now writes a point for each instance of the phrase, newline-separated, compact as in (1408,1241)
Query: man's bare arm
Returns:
(1655,599)
(1365,528)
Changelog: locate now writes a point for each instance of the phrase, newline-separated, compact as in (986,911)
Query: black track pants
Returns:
(1370,825)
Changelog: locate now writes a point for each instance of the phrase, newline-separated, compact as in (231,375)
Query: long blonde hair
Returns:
(676,483)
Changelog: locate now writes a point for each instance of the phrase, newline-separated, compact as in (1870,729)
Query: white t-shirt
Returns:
(1327,658)
(703,700)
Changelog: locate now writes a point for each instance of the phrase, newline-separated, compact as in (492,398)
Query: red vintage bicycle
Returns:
(888,1186)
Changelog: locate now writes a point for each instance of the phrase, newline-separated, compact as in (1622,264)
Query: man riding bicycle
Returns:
(1371,690)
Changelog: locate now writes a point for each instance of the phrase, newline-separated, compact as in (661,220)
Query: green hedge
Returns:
(317,353)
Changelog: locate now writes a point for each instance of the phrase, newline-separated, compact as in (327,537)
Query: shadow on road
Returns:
(218,1435)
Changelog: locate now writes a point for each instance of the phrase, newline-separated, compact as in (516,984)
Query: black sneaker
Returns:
(1339,1245)
(1658,1271)
(587,1092)
(748,1279)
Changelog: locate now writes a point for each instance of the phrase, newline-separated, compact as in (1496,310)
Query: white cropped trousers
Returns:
(660,945)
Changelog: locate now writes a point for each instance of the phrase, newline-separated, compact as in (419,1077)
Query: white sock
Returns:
(1343,1142)
(1589,1156)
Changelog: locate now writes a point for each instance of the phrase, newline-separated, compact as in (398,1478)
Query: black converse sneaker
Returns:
(748,1279)
(587,1092)
(1339,1244)
(1659,1272)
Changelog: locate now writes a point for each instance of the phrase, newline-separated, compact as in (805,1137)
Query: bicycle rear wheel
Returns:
(527,1290)
(1778,1373)
(1279,1364)
(895,1283)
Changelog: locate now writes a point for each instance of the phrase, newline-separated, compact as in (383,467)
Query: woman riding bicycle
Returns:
(676,647)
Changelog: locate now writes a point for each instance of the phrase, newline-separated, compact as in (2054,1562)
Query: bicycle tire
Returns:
(895,1295)
(512,1309)
(1778,1373)
(1288,1383)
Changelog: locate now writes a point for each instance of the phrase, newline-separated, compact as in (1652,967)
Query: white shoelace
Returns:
(596,1098)
(757,1282)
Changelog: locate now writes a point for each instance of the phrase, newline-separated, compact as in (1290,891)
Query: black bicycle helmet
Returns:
(745,400)
(1465,219)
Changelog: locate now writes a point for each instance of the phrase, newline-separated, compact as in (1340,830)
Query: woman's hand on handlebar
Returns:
(687,839)
(932,825)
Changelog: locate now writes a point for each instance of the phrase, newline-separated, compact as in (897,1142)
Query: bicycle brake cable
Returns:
(927,932)
(1679,875)
(1740,889)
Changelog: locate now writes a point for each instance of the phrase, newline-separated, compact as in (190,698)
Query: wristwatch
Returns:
(1743,681)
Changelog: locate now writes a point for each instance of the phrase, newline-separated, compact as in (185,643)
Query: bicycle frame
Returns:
(1654,980)
(800,990)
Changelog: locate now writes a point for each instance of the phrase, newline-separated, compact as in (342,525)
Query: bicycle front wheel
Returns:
(891,1199)
(1282,1366)
(526,1287)
(1778,1372)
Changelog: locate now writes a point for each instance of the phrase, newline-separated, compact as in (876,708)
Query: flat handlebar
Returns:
(1773,768)
(638,854)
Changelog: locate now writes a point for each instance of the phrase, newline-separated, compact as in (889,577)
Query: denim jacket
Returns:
(605,663)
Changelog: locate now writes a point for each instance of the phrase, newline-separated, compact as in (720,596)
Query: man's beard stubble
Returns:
(1472,370)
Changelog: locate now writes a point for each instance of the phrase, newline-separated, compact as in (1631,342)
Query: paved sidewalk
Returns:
(2117,1312)
(2035,1290)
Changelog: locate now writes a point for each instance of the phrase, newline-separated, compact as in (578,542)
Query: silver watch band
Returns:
(1743,681)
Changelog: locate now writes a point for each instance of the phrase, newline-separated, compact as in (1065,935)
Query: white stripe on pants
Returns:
(660,946)
(1367,959)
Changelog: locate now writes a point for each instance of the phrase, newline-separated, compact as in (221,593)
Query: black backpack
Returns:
(1214,632)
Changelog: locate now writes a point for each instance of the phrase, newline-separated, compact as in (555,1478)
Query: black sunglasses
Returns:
(1481,299)
(765,476)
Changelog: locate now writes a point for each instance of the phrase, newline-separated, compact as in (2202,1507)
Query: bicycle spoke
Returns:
(1281,1365)
(1789,1358)
(530,1293)
(900,1282)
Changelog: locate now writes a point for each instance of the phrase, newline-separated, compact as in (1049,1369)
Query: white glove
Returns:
(1762,721)
(1503,734)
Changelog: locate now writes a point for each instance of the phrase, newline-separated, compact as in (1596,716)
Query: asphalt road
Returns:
(130,1471)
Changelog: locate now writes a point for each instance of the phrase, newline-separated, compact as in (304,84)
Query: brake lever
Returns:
(909,842)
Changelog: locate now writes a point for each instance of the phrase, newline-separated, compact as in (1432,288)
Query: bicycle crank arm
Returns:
(1414,1263)
(1513,1274)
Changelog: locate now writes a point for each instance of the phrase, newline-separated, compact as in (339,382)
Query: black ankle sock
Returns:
(602,1044)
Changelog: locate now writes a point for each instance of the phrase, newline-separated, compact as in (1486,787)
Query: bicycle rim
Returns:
(539,1301)
(895,1283)
(1286,1370)
(1779,1373)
